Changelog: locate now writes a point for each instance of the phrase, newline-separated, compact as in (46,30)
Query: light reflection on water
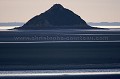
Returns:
(59,72)
(7,27)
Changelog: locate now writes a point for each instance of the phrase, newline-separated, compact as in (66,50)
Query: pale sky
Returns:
(89,10)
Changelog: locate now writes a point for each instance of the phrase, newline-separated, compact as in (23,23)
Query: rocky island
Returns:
(57,17)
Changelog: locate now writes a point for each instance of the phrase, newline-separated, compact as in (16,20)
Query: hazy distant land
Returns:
(12,23)
(104,23)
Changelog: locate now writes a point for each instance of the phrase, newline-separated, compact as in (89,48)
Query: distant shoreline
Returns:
(89,23)
(104,23)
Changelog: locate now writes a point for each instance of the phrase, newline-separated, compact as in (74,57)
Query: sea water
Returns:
(61,56)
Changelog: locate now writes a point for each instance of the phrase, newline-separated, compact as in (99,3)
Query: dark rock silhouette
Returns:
(57,17)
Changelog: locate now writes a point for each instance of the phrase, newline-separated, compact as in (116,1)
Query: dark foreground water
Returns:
(79,55)
(20,54)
